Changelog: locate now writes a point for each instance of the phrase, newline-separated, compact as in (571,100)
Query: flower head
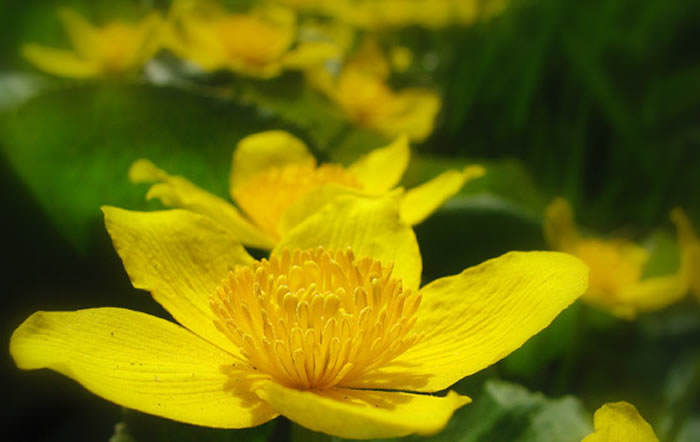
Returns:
(332,331)
(616,266)
(620,422)
(260,43)
(277,183)
(114,48)
(361,91)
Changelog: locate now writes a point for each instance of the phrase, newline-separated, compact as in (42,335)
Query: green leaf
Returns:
(508,412)
(72,147)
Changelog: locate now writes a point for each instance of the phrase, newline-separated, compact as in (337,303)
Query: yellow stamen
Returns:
(313,319)
(266,196)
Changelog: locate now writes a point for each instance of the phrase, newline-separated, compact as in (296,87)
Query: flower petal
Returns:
(259,152)
(650,294)
(141,362)
(418,203)
(369,226)
(59,62)
(181,258)
(150,32)
(559,228)
(620,422)
(412,112)
(363,414)
(83,35)
(690,249)
(310,204)
(382,169)
(310,54)
(175,191)
(474,319)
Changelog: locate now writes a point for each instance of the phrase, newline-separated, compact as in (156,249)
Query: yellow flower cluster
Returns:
(263,42)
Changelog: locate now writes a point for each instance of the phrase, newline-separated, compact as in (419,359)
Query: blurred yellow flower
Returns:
(332,331)
(620,422)
(260,43)
(114,48)
(382,14)
(361,91)
(277,183)
(616,267)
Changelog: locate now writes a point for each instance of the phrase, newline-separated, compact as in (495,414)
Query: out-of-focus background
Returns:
(595,101)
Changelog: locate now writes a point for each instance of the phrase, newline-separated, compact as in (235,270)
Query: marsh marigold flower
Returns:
(361,91)
(332,331)
(617,265)
(114,48)
(277,183)
(620,422)
(260,43)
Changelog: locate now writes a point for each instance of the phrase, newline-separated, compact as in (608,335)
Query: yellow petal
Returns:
(382,169)
(421,201)
(363,414)
(60,62)
(369,226)
(652,294)
(474,319)
(259,152)
(559,228)
(310,204)
(690,249)
(175,191)
(150,32)
(181,258)
(620,422)
(141,362)
(310,54)
(195,40)
(412,112)
(83,35)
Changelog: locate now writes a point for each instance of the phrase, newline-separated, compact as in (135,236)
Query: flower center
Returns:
(612,266)
(266,196)
(252,40)
(314,319)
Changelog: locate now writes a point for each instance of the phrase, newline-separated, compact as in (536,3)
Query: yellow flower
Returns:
(620,422)
(260,43)
(332,331)
(115,48)
(276,182)
(616,267)
(361,91)
(382,14)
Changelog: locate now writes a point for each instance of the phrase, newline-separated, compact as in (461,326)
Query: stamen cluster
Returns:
(314,319)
